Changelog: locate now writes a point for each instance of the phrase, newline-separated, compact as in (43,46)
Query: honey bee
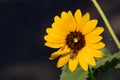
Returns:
(73,54)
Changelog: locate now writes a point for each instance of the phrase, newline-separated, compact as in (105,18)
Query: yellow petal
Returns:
(97,31)
(49,30)
(64,17)
(94,52)
(97,53)
(89,26)
(55,39)
(63,60)
(50,58)
(89,57)
(78,16)
(52,31)
(72,23)
(93,39)
(59,25)
(83,21)
(54,45)
(68,19)
(83,63)
(55,31)
(56,54)
(61,51)
(73,64)
(96,45)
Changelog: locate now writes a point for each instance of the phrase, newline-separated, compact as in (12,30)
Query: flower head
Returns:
(77,38)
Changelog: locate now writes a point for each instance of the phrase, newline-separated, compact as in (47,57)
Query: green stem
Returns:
(107,23)
(91,74)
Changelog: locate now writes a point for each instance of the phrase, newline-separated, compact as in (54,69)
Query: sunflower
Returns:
(77,39)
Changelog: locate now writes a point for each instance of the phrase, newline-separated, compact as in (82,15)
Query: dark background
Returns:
(23,55)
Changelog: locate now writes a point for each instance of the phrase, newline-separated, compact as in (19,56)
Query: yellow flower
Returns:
(77,38)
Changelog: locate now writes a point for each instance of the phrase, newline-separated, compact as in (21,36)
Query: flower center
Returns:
(75,40)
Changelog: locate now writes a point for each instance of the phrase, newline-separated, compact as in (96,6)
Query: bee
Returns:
(73,54)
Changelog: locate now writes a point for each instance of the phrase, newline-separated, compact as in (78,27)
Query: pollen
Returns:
(75,40)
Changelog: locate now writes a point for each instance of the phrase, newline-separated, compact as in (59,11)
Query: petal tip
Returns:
(72,70)
(51,58)
(85,69)
(78,10)
(87,14)
(58,65)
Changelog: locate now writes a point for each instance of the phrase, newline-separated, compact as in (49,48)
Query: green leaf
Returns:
(106,51)
(108,62)
(107,57)
(117,55)
(109,65)
(118,65)
(78,74)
